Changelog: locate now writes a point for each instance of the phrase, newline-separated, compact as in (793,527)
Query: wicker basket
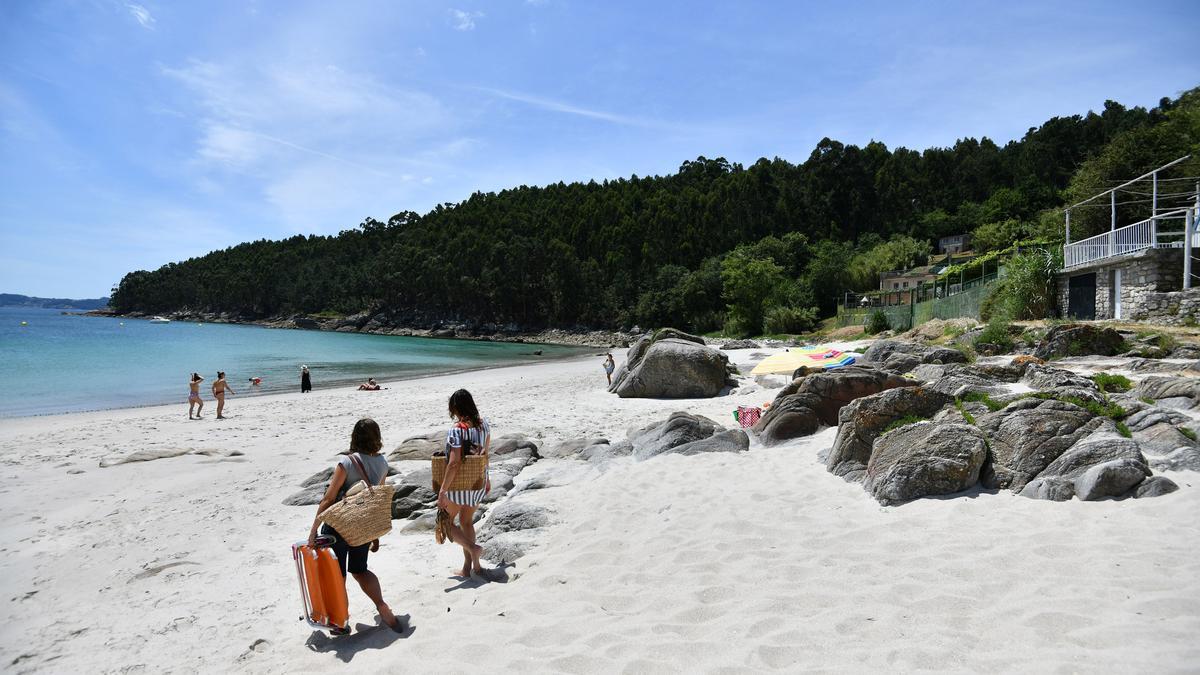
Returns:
(472,471)
(364,516)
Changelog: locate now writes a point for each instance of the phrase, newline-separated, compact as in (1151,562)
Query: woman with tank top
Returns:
(471,434)
(365,444)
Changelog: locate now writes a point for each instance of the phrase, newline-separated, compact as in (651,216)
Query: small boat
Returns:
(160,319)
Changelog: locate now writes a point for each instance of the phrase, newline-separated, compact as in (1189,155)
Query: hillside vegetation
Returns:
(765,247)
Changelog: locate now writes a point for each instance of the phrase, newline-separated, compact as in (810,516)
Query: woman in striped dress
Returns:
(470,435)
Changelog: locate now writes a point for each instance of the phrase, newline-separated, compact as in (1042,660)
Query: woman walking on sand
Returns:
(305,380)
(470,435)
(219,387)
(609,366)
(365,444)
(194,399)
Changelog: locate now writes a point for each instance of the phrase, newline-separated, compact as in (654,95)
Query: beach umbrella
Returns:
(809,357)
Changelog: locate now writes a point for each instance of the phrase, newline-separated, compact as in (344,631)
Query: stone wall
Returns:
(1174,308)
(1145,276)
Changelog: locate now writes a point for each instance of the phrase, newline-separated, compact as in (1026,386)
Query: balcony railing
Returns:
(1123,241)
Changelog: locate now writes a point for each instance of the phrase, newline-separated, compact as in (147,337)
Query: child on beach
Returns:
(219,387)
(194,399)
(609,366)
(471,434)
(366,441)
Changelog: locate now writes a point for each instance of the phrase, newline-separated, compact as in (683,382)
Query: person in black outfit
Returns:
(305,380)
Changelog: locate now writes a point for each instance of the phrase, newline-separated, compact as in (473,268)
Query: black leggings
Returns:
(352,559)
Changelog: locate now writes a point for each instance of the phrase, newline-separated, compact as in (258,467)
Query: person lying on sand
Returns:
(366,442)
(369,385)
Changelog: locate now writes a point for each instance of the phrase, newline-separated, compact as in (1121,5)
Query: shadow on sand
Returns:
(363,638)
(497,575)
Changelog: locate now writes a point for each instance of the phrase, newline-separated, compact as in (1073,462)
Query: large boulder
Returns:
(816,399)
(418,447)
(1098,448)
(1110,479)
(923,459)
(1159,387)
(572,447)
(1043,377)
(881,350)
(1079,339)
(1027,435)
(679,429)
(1155,486)
(741,344)
(864,419)
(1179,459)
(670,366)
(730,440)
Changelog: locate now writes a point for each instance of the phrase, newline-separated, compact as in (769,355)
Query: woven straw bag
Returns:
(362,517)
(472,470)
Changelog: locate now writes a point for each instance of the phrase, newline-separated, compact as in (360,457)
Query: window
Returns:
(895,284)
(906,284)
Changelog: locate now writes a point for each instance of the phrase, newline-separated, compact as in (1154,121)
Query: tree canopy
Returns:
(715,241)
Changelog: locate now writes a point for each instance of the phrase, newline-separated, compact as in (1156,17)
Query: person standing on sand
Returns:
(366,442)
(472,434)
(609,366)
(305,380)
(194,396)
(219,387)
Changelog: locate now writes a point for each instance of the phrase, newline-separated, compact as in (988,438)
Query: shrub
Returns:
(1147,400)
(877,322)
(790,319)
(995,333)
(1123,430)
(1106,409)
(980,397)
(1027,290)
(1112,384)
(963,411)
(903,422)
(1191,435)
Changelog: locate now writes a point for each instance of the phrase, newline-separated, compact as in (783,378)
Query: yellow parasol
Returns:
(809,357)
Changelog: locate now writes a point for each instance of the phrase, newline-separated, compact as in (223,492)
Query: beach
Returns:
(760,560)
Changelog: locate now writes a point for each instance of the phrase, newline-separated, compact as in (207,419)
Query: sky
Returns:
(133,134)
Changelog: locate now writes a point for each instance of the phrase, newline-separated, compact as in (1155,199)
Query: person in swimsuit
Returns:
(366,442)
(194,399)
(472,431)
(609,366)
(219,388)
(369,385)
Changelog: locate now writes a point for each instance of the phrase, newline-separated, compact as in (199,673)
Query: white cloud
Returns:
(464,20)
(563,107)
(142,15)
(322,146)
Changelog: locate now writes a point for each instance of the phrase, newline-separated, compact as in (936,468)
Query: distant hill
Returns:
(14,300)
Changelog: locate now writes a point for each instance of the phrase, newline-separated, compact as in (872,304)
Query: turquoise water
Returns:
(59,363)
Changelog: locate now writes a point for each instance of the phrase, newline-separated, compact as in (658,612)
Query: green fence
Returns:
(962,301)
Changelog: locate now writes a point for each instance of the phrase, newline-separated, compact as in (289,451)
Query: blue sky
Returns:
(137,133)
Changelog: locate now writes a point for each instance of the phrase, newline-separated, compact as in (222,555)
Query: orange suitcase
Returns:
(322,587)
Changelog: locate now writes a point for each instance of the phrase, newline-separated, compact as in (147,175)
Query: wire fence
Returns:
(914,307)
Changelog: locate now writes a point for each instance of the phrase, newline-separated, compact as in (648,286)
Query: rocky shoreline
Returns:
(381,323)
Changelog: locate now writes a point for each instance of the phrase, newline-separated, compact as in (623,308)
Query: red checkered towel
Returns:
(748,416)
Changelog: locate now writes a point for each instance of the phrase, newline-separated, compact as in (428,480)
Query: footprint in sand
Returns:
(153,571)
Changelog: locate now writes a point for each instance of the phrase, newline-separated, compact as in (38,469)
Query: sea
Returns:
(51,362)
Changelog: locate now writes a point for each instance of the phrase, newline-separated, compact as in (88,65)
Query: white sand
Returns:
(761,560)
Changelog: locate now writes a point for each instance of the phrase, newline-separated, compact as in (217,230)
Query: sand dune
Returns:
(755,561)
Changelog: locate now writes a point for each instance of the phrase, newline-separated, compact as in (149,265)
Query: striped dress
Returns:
(478,437)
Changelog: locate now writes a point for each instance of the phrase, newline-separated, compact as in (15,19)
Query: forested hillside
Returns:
(717,244)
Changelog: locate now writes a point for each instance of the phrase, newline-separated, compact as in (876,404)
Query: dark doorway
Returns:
(1081,297)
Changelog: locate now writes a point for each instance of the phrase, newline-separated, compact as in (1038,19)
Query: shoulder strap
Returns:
(362,470)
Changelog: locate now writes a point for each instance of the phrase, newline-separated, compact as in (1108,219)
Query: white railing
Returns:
(1121,241)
